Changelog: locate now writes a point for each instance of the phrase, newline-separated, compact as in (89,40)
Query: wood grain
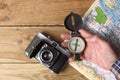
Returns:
(20,20)
(14,40)
(14,64)
(40,12)
(36,72)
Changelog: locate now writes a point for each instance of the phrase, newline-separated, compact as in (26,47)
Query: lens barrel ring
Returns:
(46,55)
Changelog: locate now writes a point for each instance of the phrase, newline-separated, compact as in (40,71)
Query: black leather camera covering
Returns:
(41,42)
(60,64)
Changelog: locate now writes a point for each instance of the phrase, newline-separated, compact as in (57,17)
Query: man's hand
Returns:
(97,50)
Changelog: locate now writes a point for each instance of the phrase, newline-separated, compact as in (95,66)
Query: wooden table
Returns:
(20,20)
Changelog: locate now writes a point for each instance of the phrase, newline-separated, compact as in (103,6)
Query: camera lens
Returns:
(46,56)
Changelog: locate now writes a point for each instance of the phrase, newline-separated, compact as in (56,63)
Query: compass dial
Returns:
(76,45)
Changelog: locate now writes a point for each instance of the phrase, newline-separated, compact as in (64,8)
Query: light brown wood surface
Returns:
(40,12)
(20,20)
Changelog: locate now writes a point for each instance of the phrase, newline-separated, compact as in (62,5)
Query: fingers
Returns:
(90,39)
(85,34)
(65,36)
(82,56)
(71,59)
(96,38)
(65,44)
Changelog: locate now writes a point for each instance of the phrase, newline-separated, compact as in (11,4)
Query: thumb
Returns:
(82,56)
(71,59)
(85,34)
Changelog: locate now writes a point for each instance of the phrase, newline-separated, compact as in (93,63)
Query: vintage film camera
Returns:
(48,52)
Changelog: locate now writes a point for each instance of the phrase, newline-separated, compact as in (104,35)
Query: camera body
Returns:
(48,52)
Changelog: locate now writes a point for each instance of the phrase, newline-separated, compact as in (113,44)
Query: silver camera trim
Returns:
(65,51)
(33,46)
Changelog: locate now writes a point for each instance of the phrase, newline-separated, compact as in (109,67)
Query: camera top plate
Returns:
(37,43)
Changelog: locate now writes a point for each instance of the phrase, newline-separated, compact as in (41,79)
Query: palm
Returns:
(97,50)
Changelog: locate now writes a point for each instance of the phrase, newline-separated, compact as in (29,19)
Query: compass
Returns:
(76,44)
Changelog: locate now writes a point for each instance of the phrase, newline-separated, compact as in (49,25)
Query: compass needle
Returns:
(76,44)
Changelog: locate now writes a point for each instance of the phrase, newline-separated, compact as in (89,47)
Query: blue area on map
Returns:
(114,14)
(111,29)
